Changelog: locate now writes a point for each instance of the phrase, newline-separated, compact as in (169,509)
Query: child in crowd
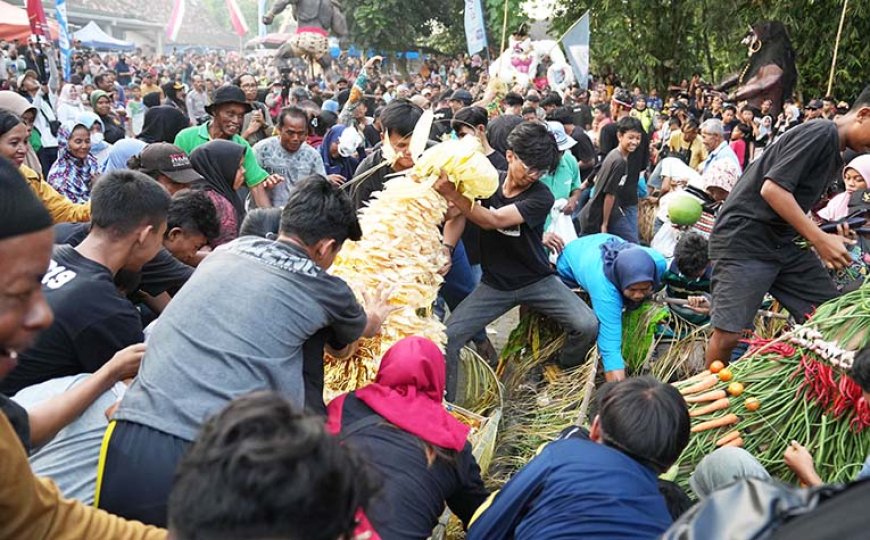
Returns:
(135,110)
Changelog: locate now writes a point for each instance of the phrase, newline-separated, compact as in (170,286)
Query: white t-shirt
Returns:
(70,458)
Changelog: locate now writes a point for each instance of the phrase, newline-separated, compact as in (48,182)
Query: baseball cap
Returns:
(170,160)
(462,95)
(814,104)
(860,199)
(563,140)
(29,73)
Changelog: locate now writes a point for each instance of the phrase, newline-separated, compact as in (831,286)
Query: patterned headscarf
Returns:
(69,175)
(721,173)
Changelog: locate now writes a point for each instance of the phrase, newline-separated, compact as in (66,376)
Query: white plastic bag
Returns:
(561,225)
(665,240)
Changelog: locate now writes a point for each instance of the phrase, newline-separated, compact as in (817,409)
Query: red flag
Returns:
(36,17)
(237,18)
(175,19)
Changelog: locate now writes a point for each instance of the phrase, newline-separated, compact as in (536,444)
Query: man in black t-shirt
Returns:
(92,321)
(514,260)
(752,245)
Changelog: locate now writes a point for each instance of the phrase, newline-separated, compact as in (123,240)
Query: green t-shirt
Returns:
(35,140)
(192,137)
(564,180)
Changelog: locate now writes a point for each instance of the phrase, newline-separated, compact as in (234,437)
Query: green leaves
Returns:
(656,42)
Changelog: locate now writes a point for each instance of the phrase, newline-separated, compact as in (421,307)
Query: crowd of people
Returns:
(167,228)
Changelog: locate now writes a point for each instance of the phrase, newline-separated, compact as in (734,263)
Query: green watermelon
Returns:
(684,210)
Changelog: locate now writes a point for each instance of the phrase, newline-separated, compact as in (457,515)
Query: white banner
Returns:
(64,39)
(475,28)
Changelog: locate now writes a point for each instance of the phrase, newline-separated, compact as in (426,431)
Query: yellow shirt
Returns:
(699,153)
(62,210)
(146,89)
(33,508)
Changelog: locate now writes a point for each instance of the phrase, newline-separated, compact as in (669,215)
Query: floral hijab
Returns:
(69,175)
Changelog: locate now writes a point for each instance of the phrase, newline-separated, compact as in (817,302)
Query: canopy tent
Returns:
(93,36)
(15,25)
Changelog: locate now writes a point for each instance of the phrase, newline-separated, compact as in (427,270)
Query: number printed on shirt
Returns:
(57,276)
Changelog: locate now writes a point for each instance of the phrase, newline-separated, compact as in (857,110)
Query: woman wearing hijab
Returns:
(14,146)
(725,466)
(99,147)
(69,104)
(102,104)
(616,274)
(120,153)
(338,149)
(400,427)
(75,168)
(19,106)
(220,163)
(162,124)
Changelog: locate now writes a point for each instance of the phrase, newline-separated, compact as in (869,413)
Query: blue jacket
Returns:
(581,262)
(576,489)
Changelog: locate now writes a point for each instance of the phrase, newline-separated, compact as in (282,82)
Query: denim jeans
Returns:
(625,224)
(458,284)
(548,296)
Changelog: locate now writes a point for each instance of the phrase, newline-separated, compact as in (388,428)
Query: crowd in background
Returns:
(198,200)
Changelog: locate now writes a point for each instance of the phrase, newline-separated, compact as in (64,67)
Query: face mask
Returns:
(96,138)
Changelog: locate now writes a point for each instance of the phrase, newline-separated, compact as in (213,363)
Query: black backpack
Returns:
(754,509)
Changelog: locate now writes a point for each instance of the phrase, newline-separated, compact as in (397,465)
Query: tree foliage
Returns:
(389,25)
(656,42)
(495,11)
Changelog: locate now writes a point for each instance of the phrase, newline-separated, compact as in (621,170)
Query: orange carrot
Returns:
(705,384)
(693,378)
(722,421)
(730,436)
(713,395)
(717,405)
(738,442)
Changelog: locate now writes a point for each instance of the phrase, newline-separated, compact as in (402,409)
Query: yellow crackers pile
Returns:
(401,249)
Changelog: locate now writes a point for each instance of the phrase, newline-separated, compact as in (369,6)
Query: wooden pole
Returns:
(836,48)
(504,26)
(503,37)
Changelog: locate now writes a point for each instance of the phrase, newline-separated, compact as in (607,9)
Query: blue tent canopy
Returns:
(93,36)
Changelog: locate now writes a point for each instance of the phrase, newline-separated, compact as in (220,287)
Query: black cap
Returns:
(462,95)
(23,213)
(170,160)
(563,115)
(815,104)
(860,199)
(228,94)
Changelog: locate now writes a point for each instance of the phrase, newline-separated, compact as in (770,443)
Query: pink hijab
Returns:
(408,392)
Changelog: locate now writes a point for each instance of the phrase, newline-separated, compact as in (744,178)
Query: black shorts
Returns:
(798,281)
(136,470)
